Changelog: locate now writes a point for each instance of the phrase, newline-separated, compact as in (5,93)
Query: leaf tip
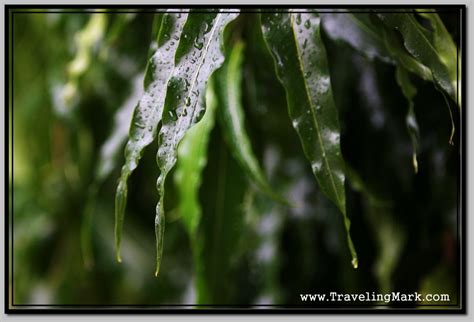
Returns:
(355,263)
(415,163)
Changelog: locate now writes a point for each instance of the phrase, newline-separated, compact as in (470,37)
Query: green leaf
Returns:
(409,91)
(310,103)
(418,43)
(228,90)
(197,57)
(148,112)
(357,30)
(110,149)
(396,48)
(219,236)
(192,158)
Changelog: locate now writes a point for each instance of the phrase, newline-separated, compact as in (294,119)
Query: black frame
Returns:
(11,308)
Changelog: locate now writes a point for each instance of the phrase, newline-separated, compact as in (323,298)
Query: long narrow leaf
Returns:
(310,103)
(197,57)
(228,90)
(409,91)
(192,158)
(148,111)
(422,48)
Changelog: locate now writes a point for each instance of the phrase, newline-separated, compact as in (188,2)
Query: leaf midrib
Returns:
(196,73)
(318,130)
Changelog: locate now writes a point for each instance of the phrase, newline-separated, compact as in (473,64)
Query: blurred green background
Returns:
(76,78)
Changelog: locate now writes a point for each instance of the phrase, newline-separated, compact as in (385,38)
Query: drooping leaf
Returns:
(357,30)
(444,45)
(395,46)
(222,224)
(409,91)
(192,158)
(366,33)
(114,143)
(421,47)
(148,112)
(310,103)
(228,91)
(197,57)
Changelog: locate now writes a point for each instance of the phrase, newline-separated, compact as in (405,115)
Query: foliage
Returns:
(273,126)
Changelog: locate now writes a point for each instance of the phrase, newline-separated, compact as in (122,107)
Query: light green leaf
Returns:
(444,45)
(192,158)
(422,48)
(409,91)
(228,91)
(197,57)
(148,112)
(310,101)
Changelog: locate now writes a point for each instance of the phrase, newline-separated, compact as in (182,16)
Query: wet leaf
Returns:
(421,47)
(197,57)
(148,112)
(395,46)
(192,158)
(409,91)
(357,30)
(228,90)
(310,103)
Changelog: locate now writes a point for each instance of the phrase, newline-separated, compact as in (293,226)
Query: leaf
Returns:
(197,57)
(395,46)
(228,90)
(192,158)
(357,30)
(443,43)
(309,96)
(409,91)
(222,224)
(148,112)
(368,35)
(419,45)
(114,143)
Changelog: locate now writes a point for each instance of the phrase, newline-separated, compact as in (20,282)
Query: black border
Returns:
(10,308)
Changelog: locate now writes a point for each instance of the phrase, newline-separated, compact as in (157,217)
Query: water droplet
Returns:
(305,43)
(298,19)
(175,37)
(316,166)
(307,74)
(173,115)
(307,24)
(198,45)
(187,101)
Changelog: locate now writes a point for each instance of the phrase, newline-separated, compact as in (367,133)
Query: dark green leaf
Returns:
(357,30)
(409,91)
(197,57)
(228,90)
(417,42)
(148,111)
(221,226)
(310,103)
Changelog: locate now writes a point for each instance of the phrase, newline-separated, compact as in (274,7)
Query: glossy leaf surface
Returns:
(197,57)
(149,109)
(300,60)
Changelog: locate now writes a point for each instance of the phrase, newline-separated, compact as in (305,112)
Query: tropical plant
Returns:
(242,106)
